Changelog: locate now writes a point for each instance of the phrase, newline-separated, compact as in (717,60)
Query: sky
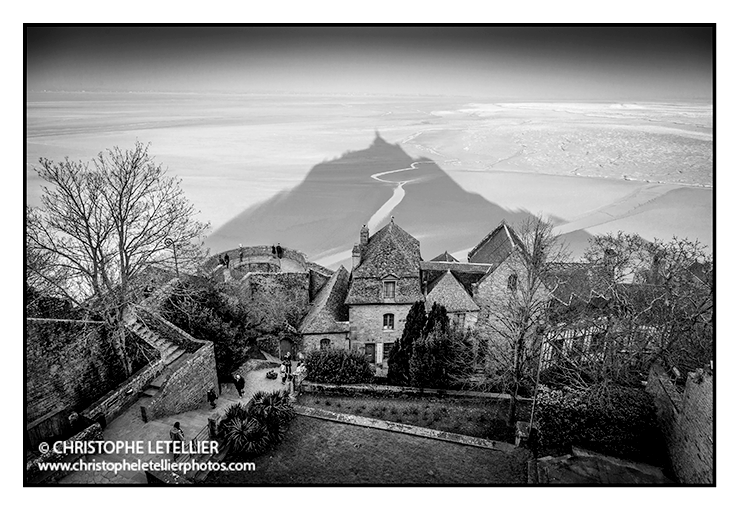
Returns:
(518,63)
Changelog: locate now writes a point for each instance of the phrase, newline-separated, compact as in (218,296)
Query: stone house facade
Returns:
(384,284)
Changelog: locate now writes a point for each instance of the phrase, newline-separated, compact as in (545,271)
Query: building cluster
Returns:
(365,308)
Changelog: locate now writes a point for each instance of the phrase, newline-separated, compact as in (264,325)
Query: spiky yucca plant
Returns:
(246,437)
(274,410)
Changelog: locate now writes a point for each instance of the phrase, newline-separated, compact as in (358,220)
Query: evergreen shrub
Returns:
(338,366)
(620,422)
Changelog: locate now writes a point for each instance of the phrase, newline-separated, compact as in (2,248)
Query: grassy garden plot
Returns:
(320,452)
(471,417)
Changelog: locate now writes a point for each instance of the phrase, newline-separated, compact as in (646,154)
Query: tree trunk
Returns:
(119,343)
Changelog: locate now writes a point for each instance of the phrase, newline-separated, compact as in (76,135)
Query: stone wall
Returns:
(366,322)
(113,403)
(687,423)
(495,300)
(186,387)
(69,364)
(34,475)
(313,342)
(257,252)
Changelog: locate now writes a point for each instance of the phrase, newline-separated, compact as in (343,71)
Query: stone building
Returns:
(326,325)
(384,284)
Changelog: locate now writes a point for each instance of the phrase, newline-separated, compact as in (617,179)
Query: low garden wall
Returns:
(381,390)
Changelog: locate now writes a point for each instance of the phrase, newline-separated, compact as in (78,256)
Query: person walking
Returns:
(241,254)
(178,439)
(225,259)
(239,382)
(279,251)
(274,250)
(212,397)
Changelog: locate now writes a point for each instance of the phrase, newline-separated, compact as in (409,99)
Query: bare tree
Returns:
(101,226)
(655,303)
(515,319)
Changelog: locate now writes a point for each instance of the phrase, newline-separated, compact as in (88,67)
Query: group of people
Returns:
(286,371)
(225,260)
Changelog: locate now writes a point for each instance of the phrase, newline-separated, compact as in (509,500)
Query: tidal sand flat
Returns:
(297,169)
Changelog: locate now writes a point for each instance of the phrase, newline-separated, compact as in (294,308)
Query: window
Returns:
(388,321)
(389,290)
(459,319)
(512,282)
(325,344)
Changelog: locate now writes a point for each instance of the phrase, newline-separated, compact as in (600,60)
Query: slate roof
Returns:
(467,274)
(390,252)
(571,281)
(457,267)
(449,292)
(496,246)
(319,268)
(328,313)
(444,257)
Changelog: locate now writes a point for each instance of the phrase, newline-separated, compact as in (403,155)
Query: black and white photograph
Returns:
(369,256)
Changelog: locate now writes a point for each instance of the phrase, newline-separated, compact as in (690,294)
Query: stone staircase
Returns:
(169,351)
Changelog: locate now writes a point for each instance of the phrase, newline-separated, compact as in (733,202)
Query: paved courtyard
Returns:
(129,426)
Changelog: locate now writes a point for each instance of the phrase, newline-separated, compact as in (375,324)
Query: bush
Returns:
(252,428)
(338,367)
(621,422)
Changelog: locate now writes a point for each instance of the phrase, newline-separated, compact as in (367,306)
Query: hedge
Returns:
(623,424)
(338,366)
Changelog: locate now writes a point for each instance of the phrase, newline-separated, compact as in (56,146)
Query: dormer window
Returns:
(388,289)
(513,282)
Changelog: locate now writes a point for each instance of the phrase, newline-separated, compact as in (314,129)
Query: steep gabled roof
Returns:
(449,292)
(444,257)
(467,274)
(328,313)
(496,246)
(389,250)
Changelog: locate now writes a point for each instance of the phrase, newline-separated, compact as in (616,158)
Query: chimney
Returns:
(356,256)
(363,236)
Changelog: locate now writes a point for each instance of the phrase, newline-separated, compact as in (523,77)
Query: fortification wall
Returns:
(69,365)
(687,423)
